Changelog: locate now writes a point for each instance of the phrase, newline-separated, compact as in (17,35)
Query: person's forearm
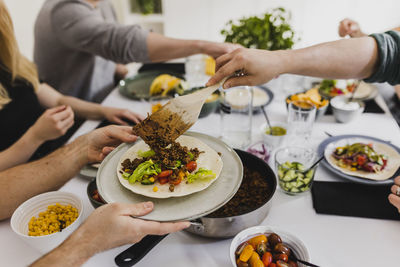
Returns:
(49,173)
(83,109)
(20,151)
(161,48)
(344,59)
(74,252)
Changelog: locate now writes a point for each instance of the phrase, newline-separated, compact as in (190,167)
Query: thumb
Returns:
(139,209)
(57,109)
(237,81)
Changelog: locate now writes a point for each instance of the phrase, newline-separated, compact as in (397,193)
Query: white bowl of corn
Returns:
(46,220)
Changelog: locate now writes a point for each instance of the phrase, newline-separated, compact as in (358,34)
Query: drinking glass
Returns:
(236,116)
(293,168)
(301,117)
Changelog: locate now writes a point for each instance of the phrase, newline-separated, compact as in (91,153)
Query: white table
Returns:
(331,240)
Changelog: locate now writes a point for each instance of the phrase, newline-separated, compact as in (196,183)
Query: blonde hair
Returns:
(11,58)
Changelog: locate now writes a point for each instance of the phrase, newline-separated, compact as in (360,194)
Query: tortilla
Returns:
(209,160)
(392,166)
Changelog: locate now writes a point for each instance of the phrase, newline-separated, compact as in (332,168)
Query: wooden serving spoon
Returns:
(174,118)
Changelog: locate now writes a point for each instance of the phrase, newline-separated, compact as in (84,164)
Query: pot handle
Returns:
(135,253)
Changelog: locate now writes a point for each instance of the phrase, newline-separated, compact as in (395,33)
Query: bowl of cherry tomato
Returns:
(266,246)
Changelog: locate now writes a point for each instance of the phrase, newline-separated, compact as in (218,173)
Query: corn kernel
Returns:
(49,221)
(155,189)
(151,179)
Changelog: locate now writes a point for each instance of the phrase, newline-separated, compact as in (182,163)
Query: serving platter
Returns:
(138,86)
(327,143)
(188,207)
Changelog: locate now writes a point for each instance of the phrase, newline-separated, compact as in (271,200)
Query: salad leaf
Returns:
(146,154)
(201,174)
(144,169)
(191,156)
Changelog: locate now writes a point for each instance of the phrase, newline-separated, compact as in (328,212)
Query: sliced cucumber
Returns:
(294,178)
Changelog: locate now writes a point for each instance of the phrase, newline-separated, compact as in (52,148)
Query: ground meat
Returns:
(252,194)
(129,166)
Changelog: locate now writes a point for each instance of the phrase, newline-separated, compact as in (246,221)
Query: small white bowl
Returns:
(273,141)
(32,207)
(295,244)
(345,115)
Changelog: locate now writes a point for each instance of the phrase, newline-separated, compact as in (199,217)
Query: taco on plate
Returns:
(184,167)
(363,158)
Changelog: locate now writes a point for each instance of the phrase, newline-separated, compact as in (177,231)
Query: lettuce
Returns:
(201,174)
(146,154)
(146,168)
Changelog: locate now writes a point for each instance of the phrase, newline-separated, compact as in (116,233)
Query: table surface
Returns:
(331,240)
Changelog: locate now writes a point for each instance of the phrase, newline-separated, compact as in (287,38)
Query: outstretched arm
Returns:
(78,27)
(25,181)
(49,97)
(351,58)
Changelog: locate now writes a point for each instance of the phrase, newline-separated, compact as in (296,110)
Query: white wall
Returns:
(315,20)
(24,13)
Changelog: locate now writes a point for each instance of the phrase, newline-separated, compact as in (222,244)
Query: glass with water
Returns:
(236,116)
(301,117)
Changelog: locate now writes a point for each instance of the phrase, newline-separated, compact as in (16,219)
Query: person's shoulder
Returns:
(68,10)
(70,6)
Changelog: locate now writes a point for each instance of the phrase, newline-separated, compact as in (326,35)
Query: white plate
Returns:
(391,168)
(181,208)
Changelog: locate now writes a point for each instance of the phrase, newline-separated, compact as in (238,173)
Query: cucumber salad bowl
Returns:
(293,169)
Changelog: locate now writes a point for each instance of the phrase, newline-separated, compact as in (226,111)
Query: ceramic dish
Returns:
(182,208)
(32,207)
(334,139)
(138,86)
(89,172)
(294,243)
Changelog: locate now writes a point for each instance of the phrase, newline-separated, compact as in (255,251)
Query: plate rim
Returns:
(122,88)
(321,149)
(195,216)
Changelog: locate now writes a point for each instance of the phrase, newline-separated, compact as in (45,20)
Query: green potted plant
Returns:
(146,6)
(271,31)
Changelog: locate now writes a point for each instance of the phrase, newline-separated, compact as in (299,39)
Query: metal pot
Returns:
(212,227)
(229,226)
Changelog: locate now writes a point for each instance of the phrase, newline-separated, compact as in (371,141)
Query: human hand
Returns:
(350,27)
(53,123)
(120,71)
(112,225)
(394,197)
(217,49)
(255,67)
(97,144)
(117,115)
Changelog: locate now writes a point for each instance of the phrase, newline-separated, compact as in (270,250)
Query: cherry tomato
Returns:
(163,180)
(272,264)
(282,257)
(164,174)
(191,166)
(361,160)
(267,258)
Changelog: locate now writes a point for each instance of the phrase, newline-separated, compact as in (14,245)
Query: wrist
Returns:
(79,150)
(285,61)
(199,47)
(33,138)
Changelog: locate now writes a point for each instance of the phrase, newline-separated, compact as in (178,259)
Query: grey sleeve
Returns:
(388,69)
(79,27)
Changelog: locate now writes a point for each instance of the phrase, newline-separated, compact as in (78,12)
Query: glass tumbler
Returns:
(236,116)
(293,168)
(301,117)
